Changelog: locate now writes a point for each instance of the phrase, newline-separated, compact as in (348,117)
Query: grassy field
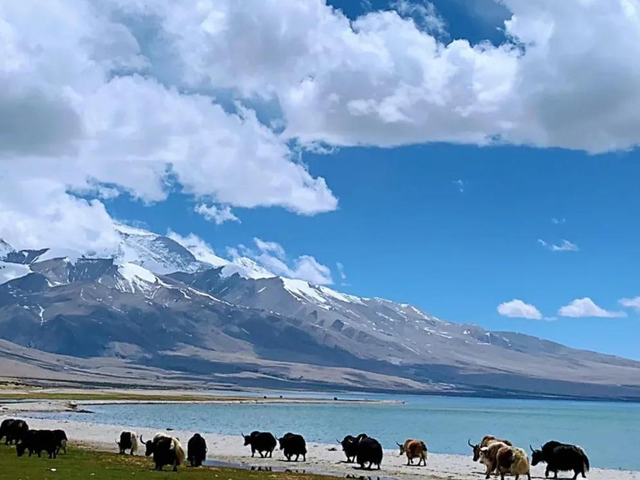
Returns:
(90,465)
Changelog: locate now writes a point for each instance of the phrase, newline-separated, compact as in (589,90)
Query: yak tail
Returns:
(180,454)
(585,459)
(134,442)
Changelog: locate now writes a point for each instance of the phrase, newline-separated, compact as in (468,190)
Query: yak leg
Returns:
(575,474)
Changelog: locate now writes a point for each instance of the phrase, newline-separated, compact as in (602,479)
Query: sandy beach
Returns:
(322,458)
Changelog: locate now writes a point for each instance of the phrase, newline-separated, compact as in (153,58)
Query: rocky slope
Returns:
(153,305)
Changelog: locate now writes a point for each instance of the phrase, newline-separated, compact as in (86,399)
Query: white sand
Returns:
(322,458)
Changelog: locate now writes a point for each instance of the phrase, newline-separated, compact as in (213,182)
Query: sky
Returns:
(476,159)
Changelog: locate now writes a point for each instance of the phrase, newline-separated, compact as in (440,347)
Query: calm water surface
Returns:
(609,432)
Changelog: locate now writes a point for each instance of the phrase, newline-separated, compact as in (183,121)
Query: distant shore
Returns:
(59,400)
(228,450)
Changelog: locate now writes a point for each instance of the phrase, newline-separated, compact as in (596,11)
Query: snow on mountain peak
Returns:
(246,268)
(154,252)
(5,249)
(136,277)
(11,271)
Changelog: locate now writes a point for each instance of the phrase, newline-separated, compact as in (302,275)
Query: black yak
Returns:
(13,430)
(38,440)
(292,444)
(350,446)
(261,442)
(196,450)
(561,457)
(61,438)
(369,451)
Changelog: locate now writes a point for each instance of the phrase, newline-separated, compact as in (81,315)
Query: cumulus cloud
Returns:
(272,256)
(121,96)
(585,307)
(200,249)
(217,214)
(631,303)
(564,246)
(85,116)
(519,309)
(381,79)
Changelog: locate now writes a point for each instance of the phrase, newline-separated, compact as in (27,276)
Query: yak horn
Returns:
(532,450)
(470,444)
(398,444)
(338,441)
(142,440)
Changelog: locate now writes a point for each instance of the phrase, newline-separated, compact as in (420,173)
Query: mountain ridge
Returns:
(227,321)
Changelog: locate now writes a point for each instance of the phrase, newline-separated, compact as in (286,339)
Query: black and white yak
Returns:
(128,441)
(165,450)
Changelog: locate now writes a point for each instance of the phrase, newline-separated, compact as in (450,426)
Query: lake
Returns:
(609,432)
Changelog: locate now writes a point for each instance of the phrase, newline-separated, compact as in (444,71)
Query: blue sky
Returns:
(405,231)
(476,159)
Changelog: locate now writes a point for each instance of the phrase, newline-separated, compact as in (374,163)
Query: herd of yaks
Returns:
(498,455)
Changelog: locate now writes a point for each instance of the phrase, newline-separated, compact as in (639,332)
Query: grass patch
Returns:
(81,464)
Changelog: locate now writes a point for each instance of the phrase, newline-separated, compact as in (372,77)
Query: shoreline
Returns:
(322,459)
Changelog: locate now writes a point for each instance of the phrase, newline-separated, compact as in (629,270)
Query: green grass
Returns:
(81,464)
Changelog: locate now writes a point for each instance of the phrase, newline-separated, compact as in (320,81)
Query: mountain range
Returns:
(153,313)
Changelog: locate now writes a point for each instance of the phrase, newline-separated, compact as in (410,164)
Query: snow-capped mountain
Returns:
(155,304)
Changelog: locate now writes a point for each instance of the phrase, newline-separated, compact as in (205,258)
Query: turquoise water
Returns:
(609,432)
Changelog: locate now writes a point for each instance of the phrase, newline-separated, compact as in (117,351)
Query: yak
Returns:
(38,440)
(260,442)
(14,430)
(350,446)
(513,461)
(414,449)
(485,442)
(293,444)
(369,451)
(61,438)
(196,450)
(561,457)
(165,450)
(489,456)
(128,441)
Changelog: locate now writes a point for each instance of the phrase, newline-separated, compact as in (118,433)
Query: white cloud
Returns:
(564,246)
(217,214)
(558,221)
(519,309)
(200,249)
(585,307)
(631,303)
(272,256)
(105,92)
(82,118)
(423,13)
(341,271)
(382,80)
(459,184)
